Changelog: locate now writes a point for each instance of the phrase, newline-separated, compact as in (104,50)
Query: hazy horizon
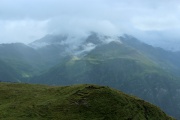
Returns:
(150,21)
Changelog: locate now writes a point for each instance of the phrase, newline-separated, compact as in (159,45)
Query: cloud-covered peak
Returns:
(25,21)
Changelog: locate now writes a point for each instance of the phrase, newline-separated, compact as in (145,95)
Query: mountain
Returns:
(25,102)
(168,60)
(29,61)
(125,64)
(7,73)
(48,40)
(22,58)
(52,49)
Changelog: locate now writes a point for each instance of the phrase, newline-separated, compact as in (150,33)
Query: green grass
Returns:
(78,102)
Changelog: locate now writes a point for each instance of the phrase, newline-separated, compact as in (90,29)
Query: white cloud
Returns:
(81,26)
(150,23)
(22,30)
(21,19)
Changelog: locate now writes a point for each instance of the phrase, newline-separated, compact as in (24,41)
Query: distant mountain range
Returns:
(123,62)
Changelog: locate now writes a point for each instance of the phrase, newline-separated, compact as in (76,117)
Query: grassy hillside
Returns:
(79,102)
(24,59)
(121,67)
(168,60)
(28,61)
(128,65)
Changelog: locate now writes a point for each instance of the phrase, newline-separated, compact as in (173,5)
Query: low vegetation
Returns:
(78,102)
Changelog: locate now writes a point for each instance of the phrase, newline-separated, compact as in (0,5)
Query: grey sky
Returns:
(27,20)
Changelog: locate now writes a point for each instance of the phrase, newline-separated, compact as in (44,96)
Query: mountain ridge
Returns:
(123,63)
(73,102)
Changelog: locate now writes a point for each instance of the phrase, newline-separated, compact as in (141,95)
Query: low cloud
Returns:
(22,30)
(26,21)
(82,26)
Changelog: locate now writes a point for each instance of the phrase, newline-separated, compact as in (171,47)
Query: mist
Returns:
(150,21)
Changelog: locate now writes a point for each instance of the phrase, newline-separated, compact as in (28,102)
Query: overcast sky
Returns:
(149,20)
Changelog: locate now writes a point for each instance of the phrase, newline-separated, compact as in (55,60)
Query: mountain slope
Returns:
(123,67)
(22,58)
(25,102)
(29,61)
(168,60)
(123,63)
(7,73)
